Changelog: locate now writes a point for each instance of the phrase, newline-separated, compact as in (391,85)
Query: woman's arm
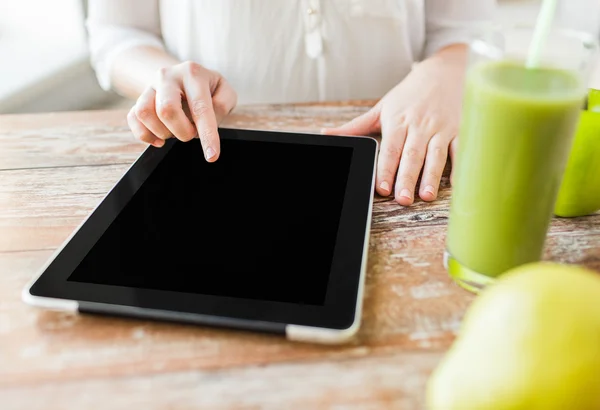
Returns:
(125,44)
(454,22)
(135,69)
(419,118)
(174,99)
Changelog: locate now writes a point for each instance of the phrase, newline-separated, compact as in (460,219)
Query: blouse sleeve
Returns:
(454,21)
(116,25)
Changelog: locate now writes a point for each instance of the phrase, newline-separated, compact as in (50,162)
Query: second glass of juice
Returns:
(515,137)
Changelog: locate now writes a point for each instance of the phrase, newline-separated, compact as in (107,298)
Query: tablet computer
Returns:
(272,237)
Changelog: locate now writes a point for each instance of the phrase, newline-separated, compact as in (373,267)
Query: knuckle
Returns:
(143,112)
(411,153)
(145,137)
(392,151)
(164,135)
(167,110)
(164,73)
(192,68)
(131,115)
(220,105)
(186,134)
(430,122)
(394,128)
(185,137)
(224,106)
(438,151)
(234,100)
(414,116)
(199,108)
(431,176)
(399,120)
(387,174)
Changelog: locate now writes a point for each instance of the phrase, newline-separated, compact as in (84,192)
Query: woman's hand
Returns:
(162,110)
(419,121)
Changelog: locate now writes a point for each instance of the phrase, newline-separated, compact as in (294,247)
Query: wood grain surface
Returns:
(55,168)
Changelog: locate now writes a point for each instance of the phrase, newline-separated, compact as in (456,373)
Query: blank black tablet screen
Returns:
(259,223)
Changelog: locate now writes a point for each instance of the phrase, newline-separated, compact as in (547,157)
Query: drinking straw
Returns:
(540,35)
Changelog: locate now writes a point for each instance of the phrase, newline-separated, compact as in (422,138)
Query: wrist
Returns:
(136,69)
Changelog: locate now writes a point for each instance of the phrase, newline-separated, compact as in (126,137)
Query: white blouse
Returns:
(277,51)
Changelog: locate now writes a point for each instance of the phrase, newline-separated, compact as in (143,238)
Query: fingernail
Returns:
(210,153)
(158,143)
(323,130)
(430,189)
(385,186)
(406,193)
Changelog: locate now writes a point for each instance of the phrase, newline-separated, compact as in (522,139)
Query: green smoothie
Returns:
(515,137)
(579,193)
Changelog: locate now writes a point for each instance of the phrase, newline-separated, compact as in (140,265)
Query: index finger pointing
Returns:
(199,99)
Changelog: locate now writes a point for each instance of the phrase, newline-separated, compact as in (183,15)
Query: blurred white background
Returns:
(44,62)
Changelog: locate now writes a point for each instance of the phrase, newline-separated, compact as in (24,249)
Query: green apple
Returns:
(530,341)
(579,192)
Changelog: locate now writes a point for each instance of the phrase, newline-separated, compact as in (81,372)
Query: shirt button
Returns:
(310,11)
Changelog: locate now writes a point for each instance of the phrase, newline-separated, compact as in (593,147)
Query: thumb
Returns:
(365,124)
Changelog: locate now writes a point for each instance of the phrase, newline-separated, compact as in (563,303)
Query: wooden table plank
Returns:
(389,381)
(40,207)
(102,137)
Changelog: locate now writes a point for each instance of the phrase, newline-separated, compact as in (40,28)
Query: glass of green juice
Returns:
(514,140)
(579,193)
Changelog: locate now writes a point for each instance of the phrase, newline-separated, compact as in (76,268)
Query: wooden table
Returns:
(55,168)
